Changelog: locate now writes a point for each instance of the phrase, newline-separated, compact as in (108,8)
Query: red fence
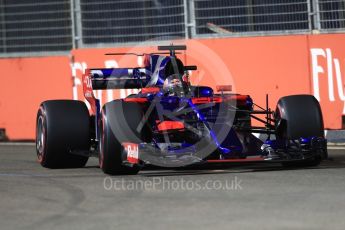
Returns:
(278,66)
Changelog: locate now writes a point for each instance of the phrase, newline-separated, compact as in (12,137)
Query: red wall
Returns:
(25,83)
(278,66)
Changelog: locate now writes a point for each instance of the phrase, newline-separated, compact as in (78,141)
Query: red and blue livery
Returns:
(172,123)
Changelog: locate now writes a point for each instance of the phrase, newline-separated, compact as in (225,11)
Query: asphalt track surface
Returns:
(252,196)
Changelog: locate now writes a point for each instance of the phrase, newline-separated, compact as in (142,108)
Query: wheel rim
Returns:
(40,139)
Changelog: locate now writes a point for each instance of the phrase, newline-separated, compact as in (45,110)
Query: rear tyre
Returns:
(119,123)
(299,116)
(62,127)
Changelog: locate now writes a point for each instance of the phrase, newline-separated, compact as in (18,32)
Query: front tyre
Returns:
(300,116)
(119,123)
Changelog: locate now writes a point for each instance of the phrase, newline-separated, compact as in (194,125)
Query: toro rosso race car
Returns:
(171,123)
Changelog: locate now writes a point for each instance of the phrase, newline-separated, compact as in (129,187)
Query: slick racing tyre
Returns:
(299,116)
(62,129)
(119,123)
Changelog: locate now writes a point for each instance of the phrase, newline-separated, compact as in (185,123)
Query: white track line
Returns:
(336,147)
(17,144)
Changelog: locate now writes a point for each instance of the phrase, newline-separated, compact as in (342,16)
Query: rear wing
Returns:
(118,78)
(172,48)
(157,69)
(112,78)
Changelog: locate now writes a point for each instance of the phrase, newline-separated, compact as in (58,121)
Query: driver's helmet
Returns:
(173,85)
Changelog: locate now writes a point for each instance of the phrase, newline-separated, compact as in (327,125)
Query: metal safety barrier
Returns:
(125,21)
(330,15)
(33,27)
(250,16)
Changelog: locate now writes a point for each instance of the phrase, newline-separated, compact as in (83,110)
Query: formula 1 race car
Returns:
(171,123)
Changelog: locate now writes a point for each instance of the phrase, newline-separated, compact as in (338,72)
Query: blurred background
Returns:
(275,47)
